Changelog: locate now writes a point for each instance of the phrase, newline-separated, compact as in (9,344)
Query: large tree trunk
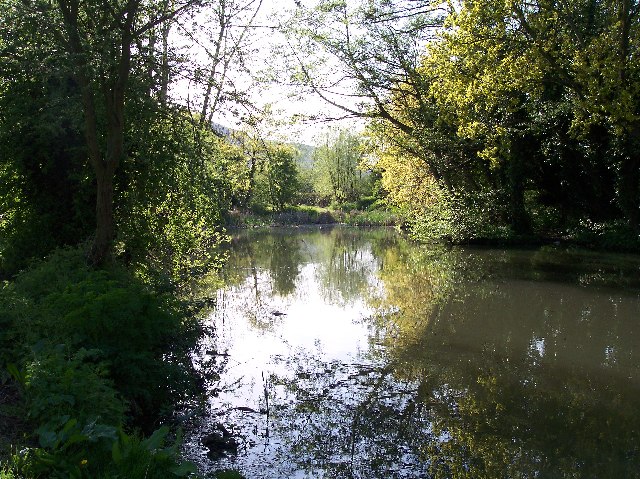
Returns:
(105,227)
(103,170)
(113,84)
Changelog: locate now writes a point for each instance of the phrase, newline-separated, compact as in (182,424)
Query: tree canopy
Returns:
(517,115)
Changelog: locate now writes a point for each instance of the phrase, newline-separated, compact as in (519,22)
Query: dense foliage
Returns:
(112,200)
(489,119)
(97,355)
(336,165)
(169,189)
(485,120)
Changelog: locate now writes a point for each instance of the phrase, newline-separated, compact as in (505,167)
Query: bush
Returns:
(372,218)
(460,218)
(109,312)
(129,327)
(64,384)
(611,236)
(366,202)
(75,450)
(96,352)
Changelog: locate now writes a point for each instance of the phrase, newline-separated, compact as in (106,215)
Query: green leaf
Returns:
(48,439)
(74,439)
(95,431)
(70,424)
(16,374)
(116,452)
(157,438)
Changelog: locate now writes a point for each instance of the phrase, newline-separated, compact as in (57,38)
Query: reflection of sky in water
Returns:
(309,323)
(267,335)
(505,371)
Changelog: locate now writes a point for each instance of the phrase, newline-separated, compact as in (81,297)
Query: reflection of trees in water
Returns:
(267,263)
(350,260)
(484,363)
(285,260)
(522,374)
(261,264)
(478,376)
(277,252)
(343,257)
(351,421)
(347,266)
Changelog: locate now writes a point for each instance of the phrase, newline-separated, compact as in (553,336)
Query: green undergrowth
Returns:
(476,220)
(315,215)
(612,236)
(99,359)
(609,236)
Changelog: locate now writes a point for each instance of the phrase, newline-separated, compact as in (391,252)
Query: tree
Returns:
(43,186)
(522,103)
(508,69)
(172,180)
(377,49)
(94,43)
(372,48)
(173,190)
(336,165)
(100,37)
(232,22)
(282,174)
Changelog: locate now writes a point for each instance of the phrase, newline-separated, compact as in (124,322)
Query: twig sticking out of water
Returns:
(266,399)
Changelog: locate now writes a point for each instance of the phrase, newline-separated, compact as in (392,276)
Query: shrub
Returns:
(60,383)
(89,347)
(129,329)
(366,202)
(459,218)
(611,236)
(74,450)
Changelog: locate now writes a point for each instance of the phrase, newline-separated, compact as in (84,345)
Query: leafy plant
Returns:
(62,384)
(96,352)
(65,447)
(150,457)
(69,449)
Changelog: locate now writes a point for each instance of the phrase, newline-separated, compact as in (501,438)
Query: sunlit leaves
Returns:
(336,165)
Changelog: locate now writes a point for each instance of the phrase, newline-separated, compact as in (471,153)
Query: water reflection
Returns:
(396,360)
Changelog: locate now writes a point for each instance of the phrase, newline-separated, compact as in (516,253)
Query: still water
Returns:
(350,353)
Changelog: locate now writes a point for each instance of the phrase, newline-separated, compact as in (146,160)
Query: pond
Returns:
(342,352)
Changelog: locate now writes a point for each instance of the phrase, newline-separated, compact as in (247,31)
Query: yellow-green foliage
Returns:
(513,101)
(493,55)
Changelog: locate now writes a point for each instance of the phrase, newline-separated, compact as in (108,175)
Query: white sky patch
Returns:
(264,51)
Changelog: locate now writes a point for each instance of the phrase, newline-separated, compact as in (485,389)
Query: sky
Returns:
(266,48)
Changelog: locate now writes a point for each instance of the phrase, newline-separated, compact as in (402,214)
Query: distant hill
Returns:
(221,130)
(306,154)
